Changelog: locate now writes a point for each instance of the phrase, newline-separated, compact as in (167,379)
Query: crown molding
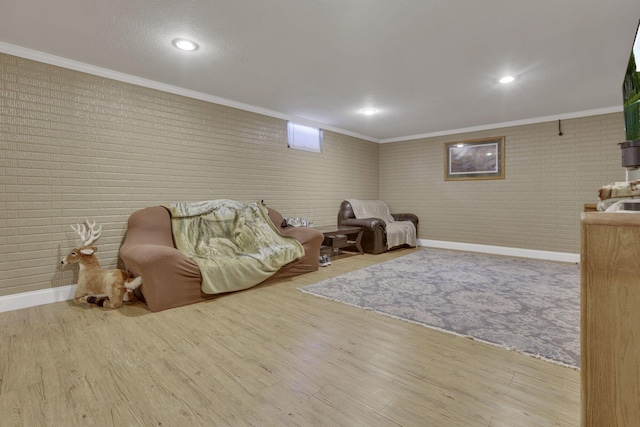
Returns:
(152,84)
(535,120)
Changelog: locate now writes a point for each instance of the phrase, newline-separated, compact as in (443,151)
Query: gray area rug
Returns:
(526,305)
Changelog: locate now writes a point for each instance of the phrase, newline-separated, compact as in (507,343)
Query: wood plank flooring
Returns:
(268,356)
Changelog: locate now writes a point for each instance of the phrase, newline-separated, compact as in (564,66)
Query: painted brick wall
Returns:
(537,206)
(74,145)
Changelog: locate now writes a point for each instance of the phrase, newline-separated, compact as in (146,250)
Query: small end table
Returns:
(333,230)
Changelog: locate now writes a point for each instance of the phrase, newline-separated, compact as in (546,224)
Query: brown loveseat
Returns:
(171,279)
(374,238)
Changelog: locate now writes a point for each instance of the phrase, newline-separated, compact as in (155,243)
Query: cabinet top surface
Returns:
(614,219)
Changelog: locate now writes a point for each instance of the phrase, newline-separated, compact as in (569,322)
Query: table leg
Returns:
(358,242)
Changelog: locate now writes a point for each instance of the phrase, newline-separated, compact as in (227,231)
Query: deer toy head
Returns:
(88,234)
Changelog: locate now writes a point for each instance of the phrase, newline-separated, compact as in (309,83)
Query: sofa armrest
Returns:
(140,258)
(303,235)
(169,278)
(311,239)
(367,223)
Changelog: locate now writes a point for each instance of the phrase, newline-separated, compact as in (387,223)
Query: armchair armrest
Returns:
(405,217)
(367,223)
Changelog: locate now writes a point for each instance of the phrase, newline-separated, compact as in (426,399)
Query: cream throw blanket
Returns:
(398,232)
(235,245)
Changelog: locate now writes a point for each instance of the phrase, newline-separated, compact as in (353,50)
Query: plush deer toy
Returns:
(106,288)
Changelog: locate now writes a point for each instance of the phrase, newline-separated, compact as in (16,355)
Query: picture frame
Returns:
(474,159)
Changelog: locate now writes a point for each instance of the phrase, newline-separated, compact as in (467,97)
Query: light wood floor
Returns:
(268,356)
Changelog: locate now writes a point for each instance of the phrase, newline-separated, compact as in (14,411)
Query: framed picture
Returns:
(474,159)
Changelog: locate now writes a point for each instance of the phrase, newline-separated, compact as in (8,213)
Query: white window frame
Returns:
(302,137)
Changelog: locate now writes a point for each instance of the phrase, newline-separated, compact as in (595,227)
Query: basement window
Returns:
(303,137)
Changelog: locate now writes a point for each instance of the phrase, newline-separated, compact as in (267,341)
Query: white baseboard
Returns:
(501,250)
(33,298)
(64,293)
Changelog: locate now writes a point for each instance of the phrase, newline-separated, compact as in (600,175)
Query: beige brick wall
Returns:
(74,145)
(537,206)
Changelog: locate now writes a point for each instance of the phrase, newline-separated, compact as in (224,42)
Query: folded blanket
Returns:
(398,232)
(619,189)
(235,245)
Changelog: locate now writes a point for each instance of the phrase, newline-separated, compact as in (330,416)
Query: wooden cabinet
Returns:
(610,319)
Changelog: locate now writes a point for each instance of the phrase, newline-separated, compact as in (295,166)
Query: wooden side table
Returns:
(354,232)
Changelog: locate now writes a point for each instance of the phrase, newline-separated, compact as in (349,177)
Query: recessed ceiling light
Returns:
(369,111)
(507,79)
(185,44)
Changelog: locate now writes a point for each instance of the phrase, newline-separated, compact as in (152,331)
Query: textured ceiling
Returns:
(427,66)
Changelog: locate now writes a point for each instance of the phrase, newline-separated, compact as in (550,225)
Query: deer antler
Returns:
(87,234)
